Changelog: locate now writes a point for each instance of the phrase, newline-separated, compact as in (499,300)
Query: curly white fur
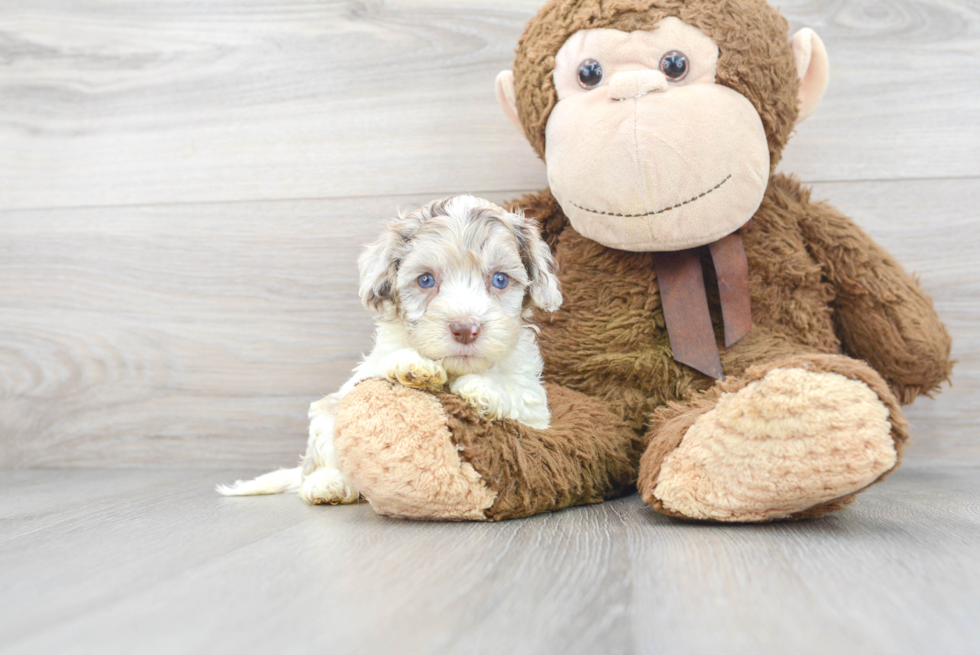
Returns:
(462,243)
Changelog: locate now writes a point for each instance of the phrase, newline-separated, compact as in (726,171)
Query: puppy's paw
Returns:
(479,392)
(539,419)
(534,411)
(417,372)
(328,487)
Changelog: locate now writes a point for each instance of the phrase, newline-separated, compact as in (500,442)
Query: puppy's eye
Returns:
(674,65)
(500,280)
(589,74)
(427,281)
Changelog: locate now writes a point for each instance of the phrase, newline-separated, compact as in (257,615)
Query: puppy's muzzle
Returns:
(465,332)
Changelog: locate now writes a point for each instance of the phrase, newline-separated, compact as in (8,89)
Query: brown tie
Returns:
(685,303)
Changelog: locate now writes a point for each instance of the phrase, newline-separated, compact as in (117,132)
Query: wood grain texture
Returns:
(156,562)
(197,335)
(132,102)
(198,320)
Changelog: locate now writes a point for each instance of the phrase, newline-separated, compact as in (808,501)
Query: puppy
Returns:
(453,285)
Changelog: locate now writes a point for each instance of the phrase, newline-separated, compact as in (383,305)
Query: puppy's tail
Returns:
(276,482)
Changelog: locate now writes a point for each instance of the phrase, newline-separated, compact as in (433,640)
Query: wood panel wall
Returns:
(184,187)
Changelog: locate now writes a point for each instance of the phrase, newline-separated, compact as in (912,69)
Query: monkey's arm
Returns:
(881,313)
(431,456)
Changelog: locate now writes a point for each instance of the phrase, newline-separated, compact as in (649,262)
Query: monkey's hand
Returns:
(882,314)
(407,367)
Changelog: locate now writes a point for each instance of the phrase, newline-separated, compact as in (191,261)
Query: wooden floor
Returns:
(184,187)
(155,562)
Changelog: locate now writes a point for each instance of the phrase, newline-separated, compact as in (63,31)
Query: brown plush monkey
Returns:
(736,350)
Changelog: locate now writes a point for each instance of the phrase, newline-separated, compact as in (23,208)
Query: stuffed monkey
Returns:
(736,350)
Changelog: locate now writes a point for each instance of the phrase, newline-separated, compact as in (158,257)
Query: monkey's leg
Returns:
(796,438)
(420,455)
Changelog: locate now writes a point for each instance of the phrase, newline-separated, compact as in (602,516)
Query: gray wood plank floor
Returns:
(155,562)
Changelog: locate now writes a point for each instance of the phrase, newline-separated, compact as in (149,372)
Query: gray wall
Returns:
(184,187)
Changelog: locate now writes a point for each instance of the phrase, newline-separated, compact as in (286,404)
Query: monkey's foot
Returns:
(794,440)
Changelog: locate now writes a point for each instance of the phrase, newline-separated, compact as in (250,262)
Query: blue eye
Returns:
(500,280)
(426,281)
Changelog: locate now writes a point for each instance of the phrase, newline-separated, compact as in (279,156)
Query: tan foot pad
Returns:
(778,446)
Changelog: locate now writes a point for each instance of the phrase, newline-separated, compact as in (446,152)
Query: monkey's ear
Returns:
(507,98)
(812,68)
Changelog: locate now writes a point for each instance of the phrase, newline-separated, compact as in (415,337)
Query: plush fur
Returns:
(834,317)
(818,284)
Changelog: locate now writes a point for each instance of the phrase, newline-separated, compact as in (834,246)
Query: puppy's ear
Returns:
(544,288)
(378,266)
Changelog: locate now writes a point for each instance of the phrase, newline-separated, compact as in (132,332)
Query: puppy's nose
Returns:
(464,332)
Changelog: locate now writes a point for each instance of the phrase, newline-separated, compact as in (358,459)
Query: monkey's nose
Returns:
(465,333)
(634,84)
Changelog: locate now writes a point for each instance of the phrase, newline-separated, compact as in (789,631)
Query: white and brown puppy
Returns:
(452,284)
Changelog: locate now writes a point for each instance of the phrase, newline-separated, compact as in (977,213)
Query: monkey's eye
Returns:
(590,74)
(674,65)
(500,280)
(427,281)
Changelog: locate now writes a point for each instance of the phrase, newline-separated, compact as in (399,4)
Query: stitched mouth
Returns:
(659,211)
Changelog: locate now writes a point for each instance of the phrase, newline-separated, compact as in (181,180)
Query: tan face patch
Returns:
(642,162)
